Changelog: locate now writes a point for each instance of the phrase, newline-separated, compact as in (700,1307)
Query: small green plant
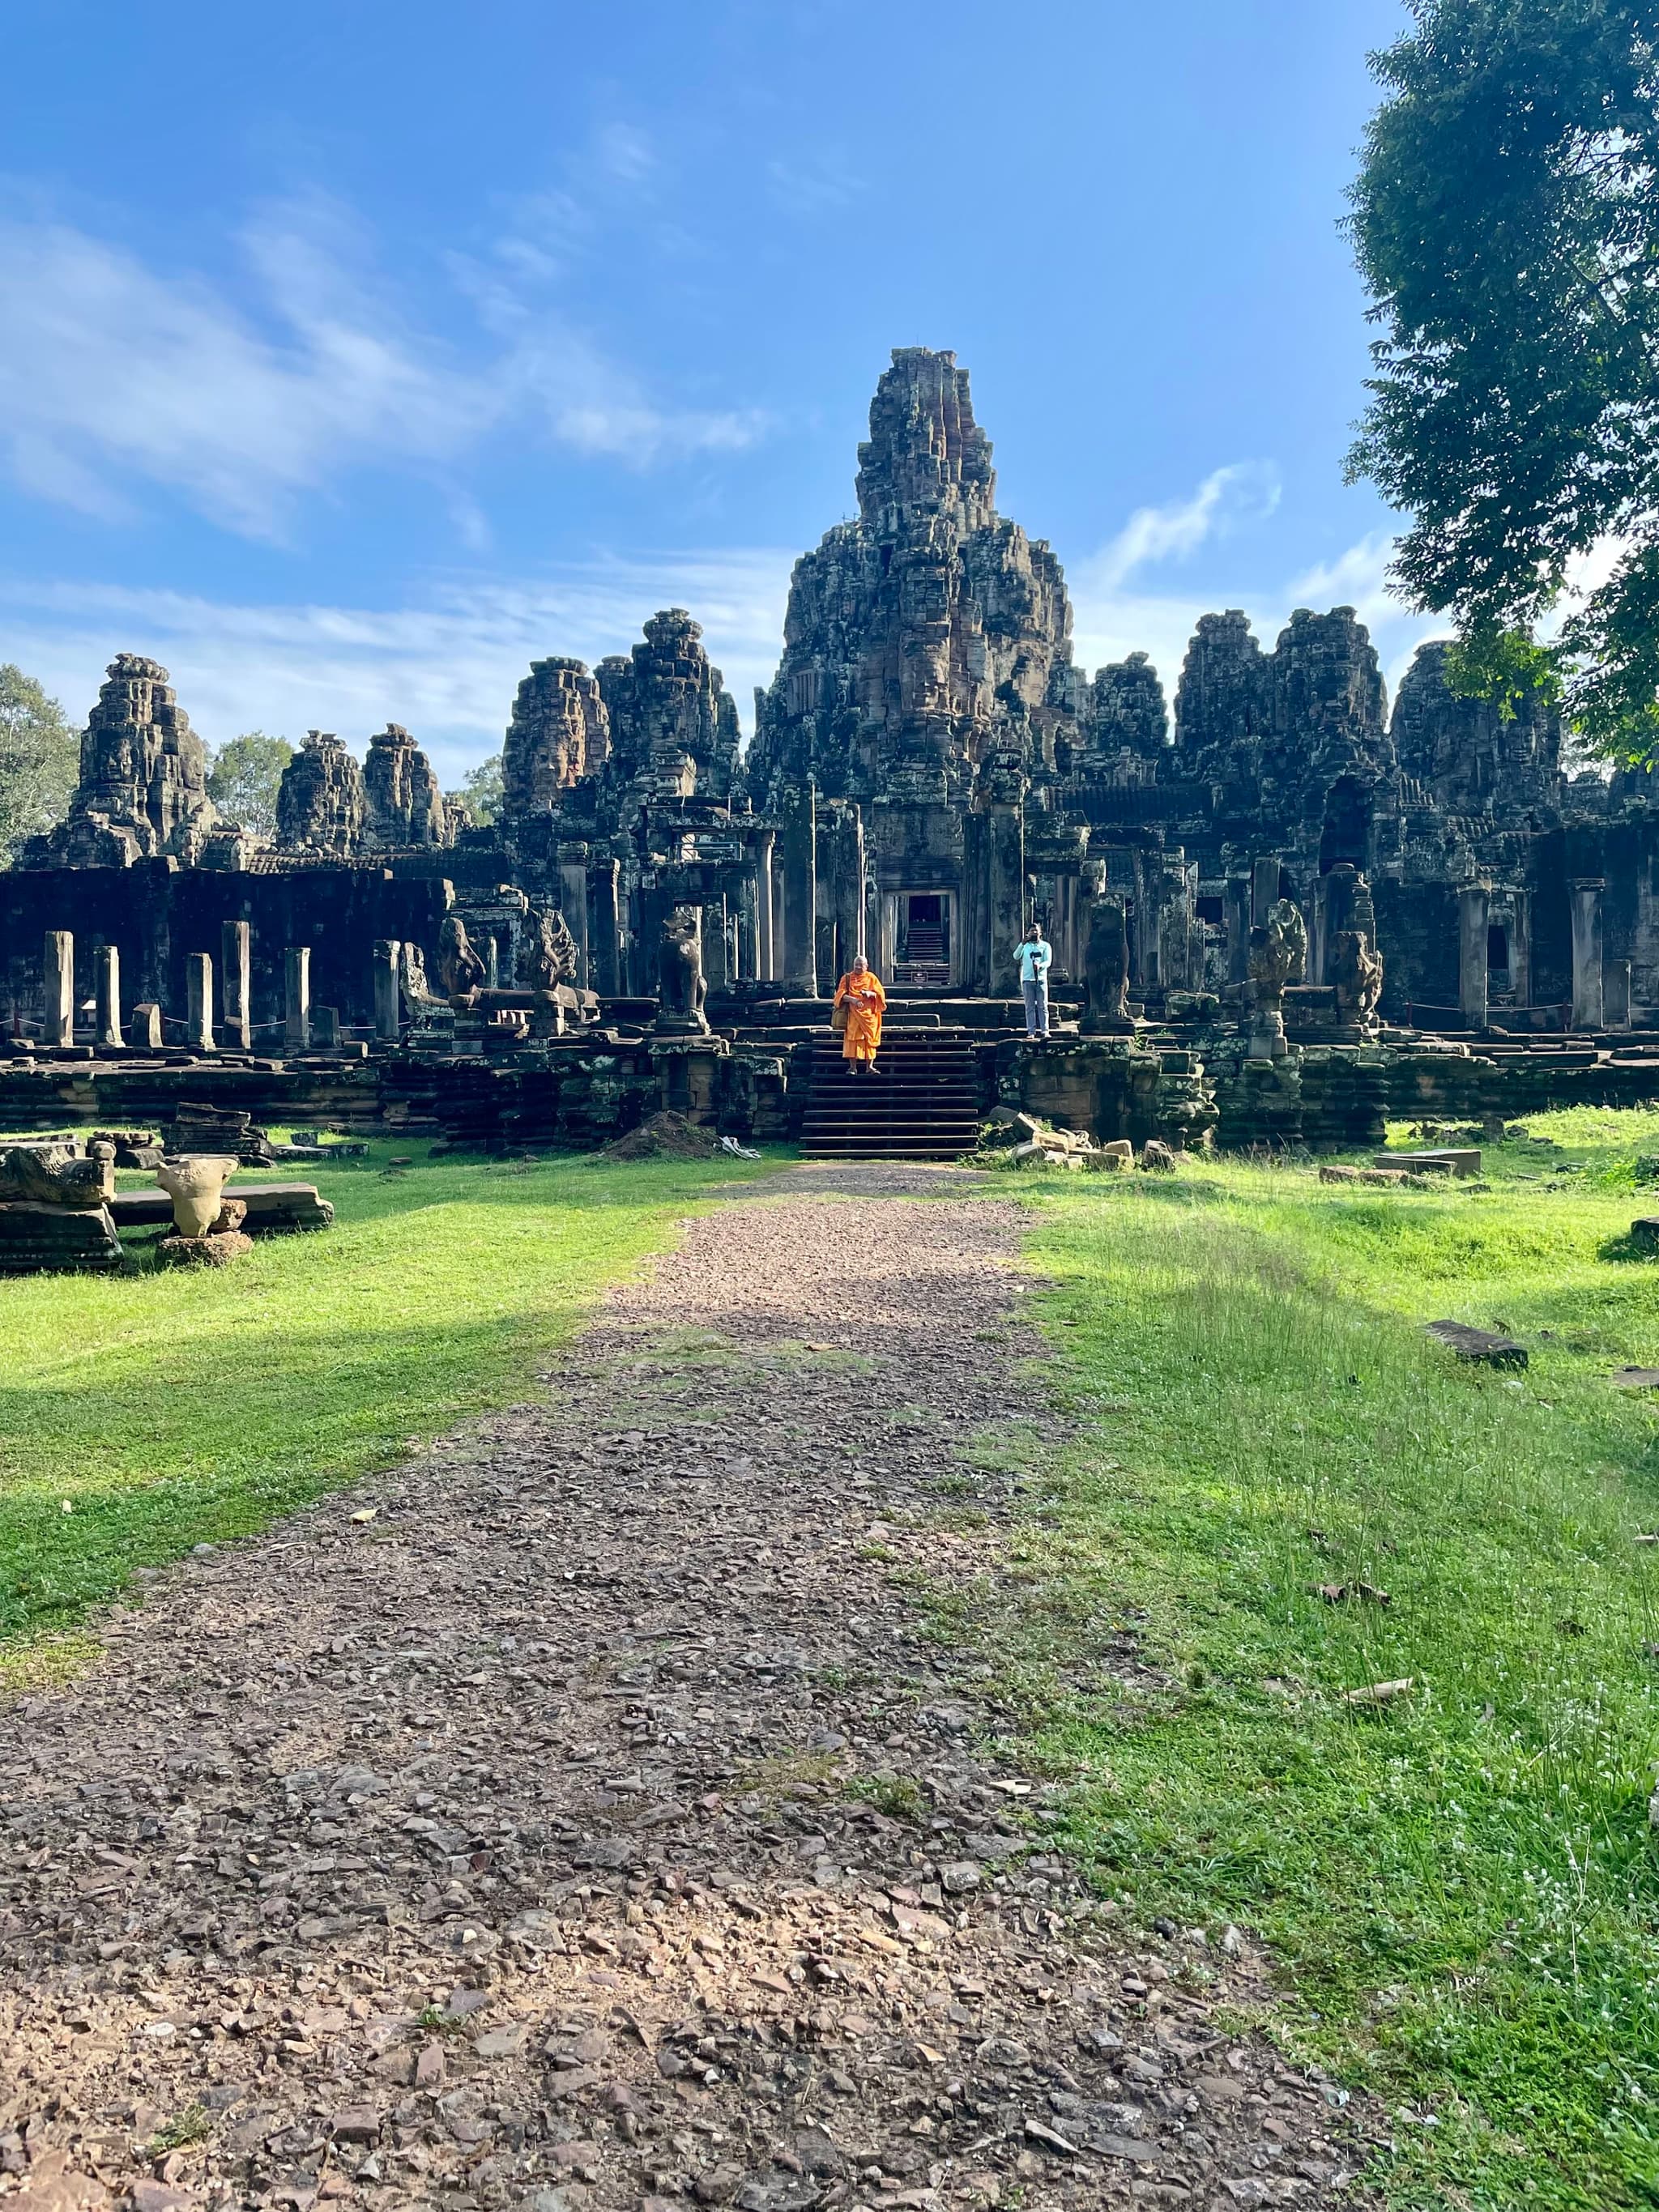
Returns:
(192,2125)
(897,1796)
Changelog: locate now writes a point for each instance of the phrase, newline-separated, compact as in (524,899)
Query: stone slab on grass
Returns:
(1483,1345)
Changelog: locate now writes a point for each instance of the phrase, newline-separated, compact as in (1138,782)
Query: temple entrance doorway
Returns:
(923,958)
(1347,831)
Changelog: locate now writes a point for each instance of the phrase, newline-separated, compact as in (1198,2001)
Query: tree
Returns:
(40,760)
(481,790)
(1506,222)
(243,775)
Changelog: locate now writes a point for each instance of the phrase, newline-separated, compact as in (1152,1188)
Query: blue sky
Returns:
(352,356)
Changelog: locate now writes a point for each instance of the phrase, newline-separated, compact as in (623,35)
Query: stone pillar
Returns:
(1264,889)
(388,950)
(58,979)
(1615,994)
(1588,1011)
(573,904)
(1236,909)
(846,886)
(145,1034)
(887,937)
(1473,904)
(325,1028)
(1332,912)
(296,998)
(1521,948)
(1007,915)
(716,943)
(235,992)
(199,988)
(975,956)
(760,852)
(107,973)
(798,852)
(603,927)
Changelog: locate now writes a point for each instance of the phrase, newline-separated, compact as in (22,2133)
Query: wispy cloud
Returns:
(1242,492)
(446,665)
(817,185)
(115,375)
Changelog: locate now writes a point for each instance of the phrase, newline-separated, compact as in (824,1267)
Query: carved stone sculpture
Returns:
(195,1185)
(1106,966)
(680,978)
(547,952)
(459,968)
(1278,956)
(1357,973)
(57,1177)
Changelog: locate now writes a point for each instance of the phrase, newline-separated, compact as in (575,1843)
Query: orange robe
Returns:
(866,1003)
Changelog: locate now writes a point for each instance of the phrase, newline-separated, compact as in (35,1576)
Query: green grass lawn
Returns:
(143,1413)
(1462,1885)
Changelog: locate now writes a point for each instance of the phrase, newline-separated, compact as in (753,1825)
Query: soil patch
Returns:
(584,1815)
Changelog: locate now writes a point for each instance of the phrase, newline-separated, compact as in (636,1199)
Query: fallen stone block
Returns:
(271,1206)
(37,1239)
(1644,1232)
(1463,1160)
(1477,1344)
(1156,1158)
(1636,1378)
(216,1250)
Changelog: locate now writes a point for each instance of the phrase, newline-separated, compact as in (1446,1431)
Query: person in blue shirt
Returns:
(1034,955)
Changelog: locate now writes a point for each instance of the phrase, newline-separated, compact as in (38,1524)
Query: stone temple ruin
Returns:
(1279,913)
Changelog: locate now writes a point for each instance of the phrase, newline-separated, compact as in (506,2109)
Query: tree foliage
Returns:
(481,790)
(40,760)
(243,776)
(1506,222)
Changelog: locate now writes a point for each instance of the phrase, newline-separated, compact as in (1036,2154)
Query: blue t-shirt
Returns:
(1035,954)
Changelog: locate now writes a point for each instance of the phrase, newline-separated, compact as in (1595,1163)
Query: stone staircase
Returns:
(922,1103)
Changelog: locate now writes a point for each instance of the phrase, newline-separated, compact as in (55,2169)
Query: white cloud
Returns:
(447,668)
(625,154)
(115,375)
(819,185)
(1243,491)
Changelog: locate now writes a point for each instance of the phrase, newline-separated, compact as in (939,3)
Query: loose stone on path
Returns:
(602,1824)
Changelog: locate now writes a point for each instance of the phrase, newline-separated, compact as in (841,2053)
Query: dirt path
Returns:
(595,1825)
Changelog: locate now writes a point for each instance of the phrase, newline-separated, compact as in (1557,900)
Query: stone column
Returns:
(603,927)
(199,988)
(1473,903)
(798,852)
(235,994)
(145,1034)
(1264,889)
(1236,909)
(887,937)
(846,856)
(573,904)
(388,950)
(1007,916)
(296,998)
(1521,948)
(107,973)
(1588,1011)
(975,955)
(760,853)
(716,946)
(58,978)
(325,1028)
(1615,994)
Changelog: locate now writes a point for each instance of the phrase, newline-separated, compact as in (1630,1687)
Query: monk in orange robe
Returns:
(860,993)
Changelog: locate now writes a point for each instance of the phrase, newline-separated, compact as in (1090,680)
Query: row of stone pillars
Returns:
(1601,986)
(202,1031)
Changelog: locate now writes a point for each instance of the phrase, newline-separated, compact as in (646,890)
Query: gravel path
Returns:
(581,1815)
